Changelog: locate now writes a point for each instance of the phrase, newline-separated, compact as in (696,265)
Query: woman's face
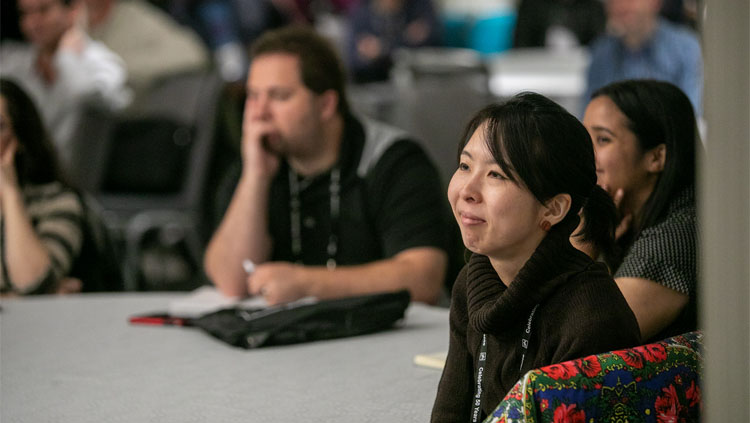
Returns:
(620,163)
(7,136)
(497,217)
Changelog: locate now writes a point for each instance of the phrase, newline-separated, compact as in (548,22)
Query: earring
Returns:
(545,225)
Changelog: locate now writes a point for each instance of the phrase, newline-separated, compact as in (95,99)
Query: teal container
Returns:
(492,33)
(456,30)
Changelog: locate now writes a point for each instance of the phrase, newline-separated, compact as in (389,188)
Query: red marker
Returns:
(159,320)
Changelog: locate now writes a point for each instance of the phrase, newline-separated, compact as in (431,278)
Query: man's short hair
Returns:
(321,69)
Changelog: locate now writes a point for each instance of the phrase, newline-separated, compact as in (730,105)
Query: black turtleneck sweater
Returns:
(581,312)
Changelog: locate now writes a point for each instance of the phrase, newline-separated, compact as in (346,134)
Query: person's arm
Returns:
(26,258)
(88,70)
(420,270)
(655,306)
(658,275)
(243,232)
(31,257)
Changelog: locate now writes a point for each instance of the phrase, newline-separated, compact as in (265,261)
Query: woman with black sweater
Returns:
(527,298)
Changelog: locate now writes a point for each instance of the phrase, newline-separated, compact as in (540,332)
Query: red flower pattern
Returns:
(632,357)
(569,414)
(561,371)
(693,394)
(667,406)
(590,366)
(653,353)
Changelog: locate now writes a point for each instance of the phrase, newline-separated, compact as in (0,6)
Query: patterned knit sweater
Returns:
(581,312)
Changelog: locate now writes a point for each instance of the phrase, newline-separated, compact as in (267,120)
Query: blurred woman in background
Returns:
(41,216)
(645,136)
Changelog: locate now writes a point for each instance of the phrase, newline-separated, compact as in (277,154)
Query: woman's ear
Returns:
(656,158)
(556,208)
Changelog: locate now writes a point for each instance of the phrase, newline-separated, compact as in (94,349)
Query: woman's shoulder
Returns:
(592,301)
(675,234)
(588,291)
(681,214)
(667,248)
(595,277)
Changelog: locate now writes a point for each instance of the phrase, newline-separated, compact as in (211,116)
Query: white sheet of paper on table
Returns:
(207,299)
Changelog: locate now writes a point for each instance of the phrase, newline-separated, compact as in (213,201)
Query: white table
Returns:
(76,359)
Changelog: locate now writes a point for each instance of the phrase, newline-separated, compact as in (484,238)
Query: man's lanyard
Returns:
(295,214)
(477,410)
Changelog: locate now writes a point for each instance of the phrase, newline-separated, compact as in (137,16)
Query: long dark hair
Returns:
(657,113)
(35,161)
(542,147)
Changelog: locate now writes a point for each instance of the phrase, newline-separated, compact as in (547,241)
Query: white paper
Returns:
(207,299)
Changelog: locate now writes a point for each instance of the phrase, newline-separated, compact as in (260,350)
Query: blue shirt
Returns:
(672,54)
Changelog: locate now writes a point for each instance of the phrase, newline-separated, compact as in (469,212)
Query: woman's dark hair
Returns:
(659,113)
(35,160)
(321,69)
(540,146)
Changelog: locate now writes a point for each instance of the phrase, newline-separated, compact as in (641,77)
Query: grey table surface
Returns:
(76,359)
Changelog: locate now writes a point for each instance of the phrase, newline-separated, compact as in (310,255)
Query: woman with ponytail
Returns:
(526,298)
(645,137)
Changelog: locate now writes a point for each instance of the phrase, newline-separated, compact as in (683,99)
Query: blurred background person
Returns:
(228,27)
(645,137)
(681,12)
(378,27)
(150,42)
(641,44)
(327,205)
(216,22)
(558,23)
(40,216)
(62,68)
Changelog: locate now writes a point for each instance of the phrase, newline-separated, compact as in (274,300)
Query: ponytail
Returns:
(599,222)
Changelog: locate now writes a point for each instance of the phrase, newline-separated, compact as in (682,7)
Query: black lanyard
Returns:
(295,214)
(477,410)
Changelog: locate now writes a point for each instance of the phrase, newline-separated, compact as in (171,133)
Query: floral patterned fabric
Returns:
(656,383)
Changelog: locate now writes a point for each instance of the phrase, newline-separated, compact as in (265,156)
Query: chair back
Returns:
(153,182)
(98,264)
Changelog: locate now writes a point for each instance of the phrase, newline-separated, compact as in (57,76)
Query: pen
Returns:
(159,320)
